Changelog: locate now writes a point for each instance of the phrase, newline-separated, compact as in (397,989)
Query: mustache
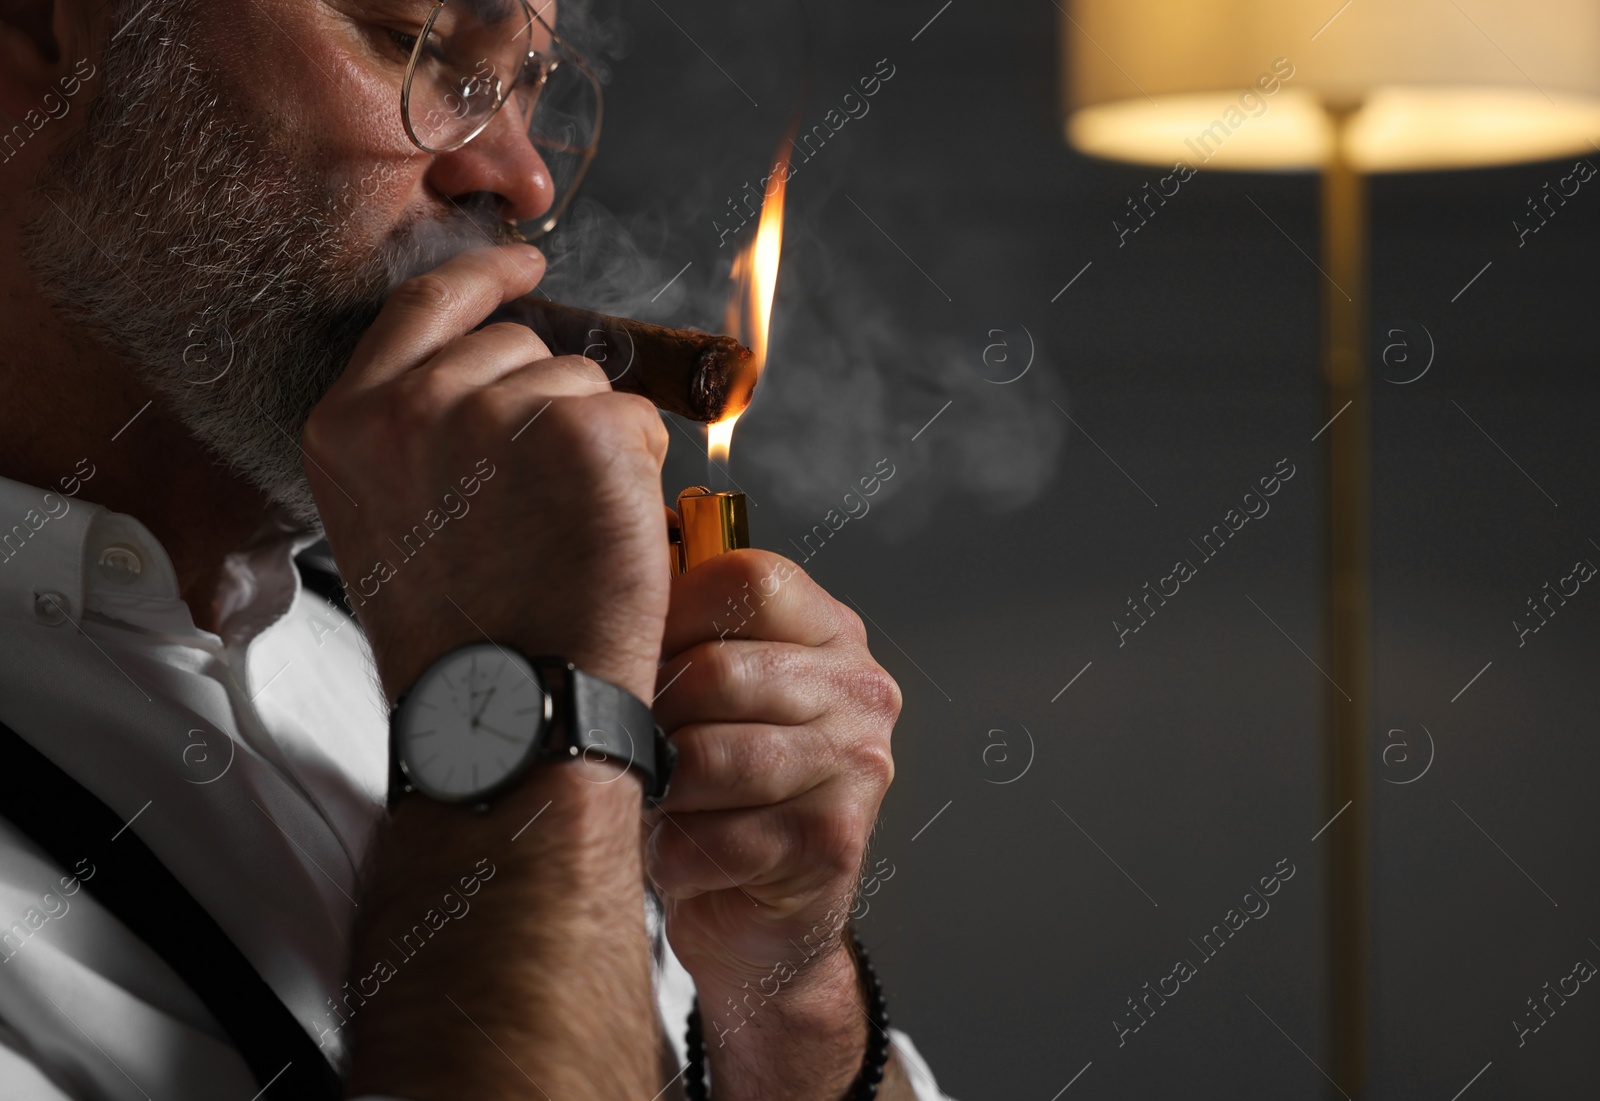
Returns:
(422,244)
(411,249)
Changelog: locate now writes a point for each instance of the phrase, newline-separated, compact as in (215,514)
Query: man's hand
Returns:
(472,485)
(782,722)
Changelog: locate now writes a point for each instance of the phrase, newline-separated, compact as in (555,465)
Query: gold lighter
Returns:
(708,525)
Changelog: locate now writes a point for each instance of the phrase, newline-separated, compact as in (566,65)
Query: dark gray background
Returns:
(993,564)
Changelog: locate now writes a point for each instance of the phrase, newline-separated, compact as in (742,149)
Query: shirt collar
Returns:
(62,557)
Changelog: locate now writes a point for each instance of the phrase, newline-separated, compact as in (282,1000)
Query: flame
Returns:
(719,439)
(755,281)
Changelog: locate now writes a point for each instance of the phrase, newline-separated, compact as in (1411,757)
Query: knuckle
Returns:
(632,407)
(851,622)
(700,754)
(642,415)
(838,841)
(577,375)
(485,408)
(426,293)
(518,336)
(591,372)
(874,690)
(581,431)
(874,762)
(482,413)
(420,400)
(733,672)
(726,668)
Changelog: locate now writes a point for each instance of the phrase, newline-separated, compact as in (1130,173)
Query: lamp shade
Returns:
(1245,84)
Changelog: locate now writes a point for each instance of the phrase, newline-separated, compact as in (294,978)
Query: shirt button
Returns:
(121,563)
(51,608)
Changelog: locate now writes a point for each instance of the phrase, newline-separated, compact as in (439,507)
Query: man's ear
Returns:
(40,42)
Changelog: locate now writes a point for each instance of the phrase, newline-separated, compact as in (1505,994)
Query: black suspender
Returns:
(67,821)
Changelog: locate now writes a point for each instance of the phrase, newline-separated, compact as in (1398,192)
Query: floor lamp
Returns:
(1392,86)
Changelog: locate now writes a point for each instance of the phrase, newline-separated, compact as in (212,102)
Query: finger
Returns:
(485,355)
(609,420)
(425,313)
(726,766)
(775,852)
(753,595)
(496,355)
(746,682)
(559,376)
(474,361)
(747,850)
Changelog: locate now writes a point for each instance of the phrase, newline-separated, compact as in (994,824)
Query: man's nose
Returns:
(501,161)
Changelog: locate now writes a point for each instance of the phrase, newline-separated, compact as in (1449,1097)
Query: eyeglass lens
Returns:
(473,52)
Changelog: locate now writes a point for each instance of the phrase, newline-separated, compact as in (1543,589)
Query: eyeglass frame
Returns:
(567,54)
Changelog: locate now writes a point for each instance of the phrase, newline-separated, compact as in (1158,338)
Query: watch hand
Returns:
(485,704)
(498,733)
(472,681)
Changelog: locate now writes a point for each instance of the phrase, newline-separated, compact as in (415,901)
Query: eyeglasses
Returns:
(472,58)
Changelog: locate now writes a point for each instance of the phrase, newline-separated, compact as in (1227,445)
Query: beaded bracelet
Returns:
(865,1086)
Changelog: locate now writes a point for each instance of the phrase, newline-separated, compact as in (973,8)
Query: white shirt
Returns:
(253,762)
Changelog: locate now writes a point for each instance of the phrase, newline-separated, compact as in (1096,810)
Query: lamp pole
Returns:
(1347,616)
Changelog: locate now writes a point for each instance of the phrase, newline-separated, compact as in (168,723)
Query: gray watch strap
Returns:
(596,717)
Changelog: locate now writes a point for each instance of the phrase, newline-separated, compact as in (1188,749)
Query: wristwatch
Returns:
(482,715)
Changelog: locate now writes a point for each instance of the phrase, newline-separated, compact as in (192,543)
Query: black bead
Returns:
(694,1082)
(865,1086)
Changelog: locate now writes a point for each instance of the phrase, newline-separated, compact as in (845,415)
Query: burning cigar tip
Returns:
(726,378)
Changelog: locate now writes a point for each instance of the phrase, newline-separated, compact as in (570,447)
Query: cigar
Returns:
(702,376)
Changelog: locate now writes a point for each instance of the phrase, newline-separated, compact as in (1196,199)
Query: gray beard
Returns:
(215,262)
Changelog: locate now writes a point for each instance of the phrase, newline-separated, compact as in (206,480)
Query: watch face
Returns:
(471,722)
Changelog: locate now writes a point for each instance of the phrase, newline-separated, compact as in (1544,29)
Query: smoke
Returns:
(848,382)
(852,376)
(851,383)
(595,260)
(960,414)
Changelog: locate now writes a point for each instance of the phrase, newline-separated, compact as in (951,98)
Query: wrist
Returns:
(575,818)
(559,913)
(795,1034)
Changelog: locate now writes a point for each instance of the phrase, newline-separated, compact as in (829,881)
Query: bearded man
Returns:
(494,836)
